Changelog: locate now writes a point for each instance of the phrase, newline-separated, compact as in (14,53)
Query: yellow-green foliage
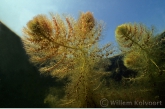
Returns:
(134,36)
(138,45)
(68,47)
(144,53)
(134,61)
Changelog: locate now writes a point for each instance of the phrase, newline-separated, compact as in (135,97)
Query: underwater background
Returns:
(128,72)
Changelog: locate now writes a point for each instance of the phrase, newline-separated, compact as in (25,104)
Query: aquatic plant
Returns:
(143,52)
(65,47)
(139,46)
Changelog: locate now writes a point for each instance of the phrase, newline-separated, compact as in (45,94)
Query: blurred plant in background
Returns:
(143,52)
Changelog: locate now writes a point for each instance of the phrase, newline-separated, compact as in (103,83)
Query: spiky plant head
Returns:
(133,36)
(57,43)
(86,22)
